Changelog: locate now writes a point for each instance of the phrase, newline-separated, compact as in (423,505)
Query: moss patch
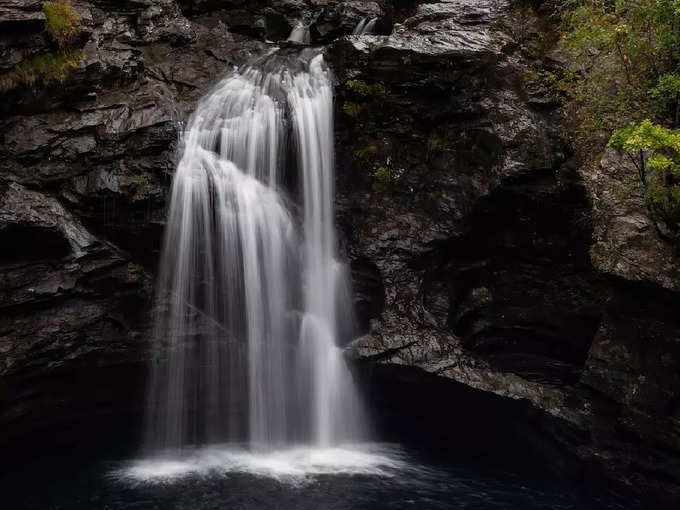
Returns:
(363,89)
(386,177)
(41,70)
(352,109)
(363,99)
(61,21)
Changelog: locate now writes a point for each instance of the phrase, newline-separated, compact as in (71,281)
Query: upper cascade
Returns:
(365,26)
(300,34)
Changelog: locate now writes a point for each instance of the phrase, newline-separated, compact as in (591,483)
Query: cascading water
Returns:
(300,34)
(250,304)
(365,26)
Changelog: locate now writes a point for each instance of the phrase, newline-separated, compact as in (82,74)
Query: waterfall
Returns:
(365,26)
(299,34)
(251,295)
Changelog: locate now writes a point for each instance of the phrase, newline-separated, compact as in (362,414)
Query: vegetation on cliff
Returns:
(62,24)
(362,96)
(654,152)
(623,87)
(363,101)
(61,21)
(41,70)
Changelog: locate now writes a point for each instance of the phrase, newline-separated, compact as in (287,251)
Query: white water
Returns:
(365,26)
(296,465)
(252,298)
(299,34)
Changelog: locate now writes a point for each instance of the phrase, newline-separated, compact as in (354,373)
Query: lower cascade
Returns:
(253,302)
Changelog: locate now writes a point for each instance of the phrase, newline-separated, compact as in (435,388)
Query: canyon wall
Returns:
(483,252)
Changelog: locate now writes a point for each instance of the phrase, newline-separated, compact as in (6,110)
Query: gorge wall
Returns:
(484,255)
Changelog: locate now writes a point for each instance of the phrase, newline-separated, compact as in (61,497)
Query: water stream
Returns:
(251,402)
(252,296)
(365,26)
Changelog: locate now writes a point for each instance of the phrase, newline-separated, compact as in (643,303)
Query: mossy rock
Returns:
(42,70)
(62,21)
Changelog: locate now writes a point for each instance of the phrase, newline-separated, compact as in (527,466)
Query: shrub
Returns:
(363,98)
(619,50)
(364,90)
(41,70)
(61,21)
(385,177)
(624,70)
(667,92)
(654,151)
(351,109)
(382,175)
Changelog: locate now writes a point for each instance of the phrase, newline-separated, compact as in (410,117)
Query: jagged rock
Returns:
(482,241)
(467,227)
(274,19)
(626,243)
(85,169)
(67,299)
(22,208)
(21,22)
(21,13)
(342,18)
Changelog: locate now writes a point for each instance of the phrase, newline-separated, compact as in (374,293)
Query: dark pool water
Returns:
(365,476)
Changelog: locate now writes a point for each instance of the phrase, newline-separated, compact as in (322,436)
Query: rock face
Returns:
(481,251)
(85,167)
(485,254)
(275,19)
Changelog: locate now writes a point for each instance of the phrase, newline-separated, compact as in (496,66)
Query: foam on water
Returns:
(295,465)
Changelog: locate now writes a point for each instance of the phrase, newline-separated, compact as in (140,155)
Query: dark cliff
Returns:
(483,254)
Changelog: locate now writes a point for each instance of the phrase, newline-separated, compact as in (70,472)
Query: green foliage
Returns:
(624,70)
(143,185)
(385,176)
(364,90)
(382,175)
(351,109)
(545,78)
(623,54)
(363,97)
(654,151)
(382,171)
(41,70)
(667,88)
(667,93)
(61,21)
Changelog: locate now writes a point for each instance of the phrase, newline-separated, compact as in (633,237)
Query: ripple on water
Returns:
(375,476)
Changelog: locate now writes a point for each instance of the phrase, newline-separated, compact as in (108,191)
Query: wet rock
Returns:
(342,18)
(468,228)
(274,19)
(31,210)
(457,188)
(626,242)
(85,170)
(21,13)
(66,298)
